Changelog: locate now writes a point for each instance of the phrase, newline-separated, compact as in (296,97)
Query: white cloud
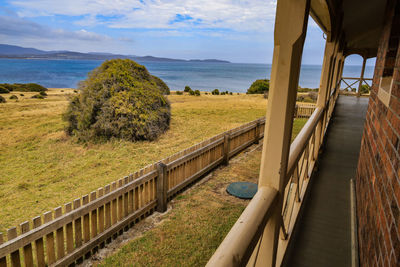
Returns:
(236,15)
(13,26)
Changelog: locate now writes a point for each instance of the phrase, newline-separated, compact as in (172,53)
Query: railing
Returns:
(242,244)
(354,81)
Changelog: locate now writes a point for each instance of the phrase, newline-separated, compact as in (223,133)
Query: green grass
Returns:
(41,168)
(197,223)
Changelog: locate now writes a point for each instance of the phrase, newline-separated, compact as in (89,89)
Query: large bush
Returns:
(161,85)
(259,87)
(118,99)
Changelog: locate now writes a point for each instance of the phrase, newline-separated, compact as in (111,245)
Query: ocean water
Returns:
(235,77)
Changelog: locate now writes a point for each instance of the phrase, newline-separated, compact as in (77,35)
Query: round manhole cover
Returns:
(244,190)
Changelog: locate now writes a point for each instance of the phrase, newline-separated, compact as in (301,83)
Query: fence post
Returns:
(227,140)
(257,134)
(296,111)
(162,187)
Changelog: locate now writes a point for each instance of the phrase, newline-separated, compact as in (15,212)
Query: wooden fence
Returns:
(304,110)
(73,232)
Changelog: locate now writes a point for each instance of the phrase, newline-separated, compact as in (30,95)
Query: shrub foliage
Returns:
(118,99)
(215,92)
(23,87)
(4,90)
(161,85)
(364,89)
(259,87)
(2,99)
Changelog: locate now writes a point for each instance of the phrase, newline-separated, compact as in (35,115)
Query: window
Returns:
(386,81)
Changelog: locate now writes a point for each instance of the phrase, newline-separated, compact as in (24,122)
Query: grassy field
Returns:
(197,223)
(41,168)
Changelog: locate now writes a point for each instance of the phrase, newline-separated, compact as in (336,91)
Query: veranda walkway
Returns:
(323,233)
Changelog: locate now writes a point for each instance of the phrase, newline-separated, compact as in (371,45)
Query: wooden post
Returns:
(361,76)
(51,253)
(162,187)
(257,132)
(59,235)
(28,256)
(37,221)
(290,30)
(323,92)
(3,260)
(69,230)
(227,140)
(15,259)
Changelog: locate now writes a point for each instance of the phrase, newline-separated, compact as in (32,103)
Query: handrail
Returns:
(355,78)
(238,245)
(300,142)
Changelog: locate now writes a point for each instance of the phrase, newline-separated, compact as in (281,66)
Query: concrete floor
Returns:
(322,235)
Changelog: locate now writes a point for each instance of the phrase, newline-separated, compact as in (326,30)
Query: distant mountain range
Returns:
(13,51)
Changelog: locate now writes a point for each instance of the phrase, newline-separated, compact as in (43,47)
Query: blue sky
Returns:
(235,30)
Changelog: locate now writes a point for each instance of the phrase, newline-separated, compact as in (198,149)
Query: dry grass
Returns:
(198,221)
(41,168)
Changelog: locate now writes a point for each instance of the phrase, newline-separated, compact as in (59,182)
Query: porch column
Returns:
(361,76)
(335,72)
(323,90)
(290,31)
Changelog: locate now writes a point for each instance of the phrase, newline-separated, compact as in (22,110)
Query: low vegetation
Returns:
(119,99)
(310,97)
(2,99)
(306,90)
(259,87)
(42,168)
(38,96)
(365,89)
(215,92)
(21,87)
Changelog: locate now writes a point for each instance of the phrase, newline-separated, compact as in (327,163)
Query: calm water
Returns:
(236,77)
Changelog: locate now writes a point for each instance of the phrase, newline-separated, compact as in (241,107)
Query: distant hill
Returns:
(13,51)
(17,50)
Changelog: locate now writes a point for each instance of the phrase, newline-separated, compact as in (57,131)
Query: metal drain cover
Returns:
(244,190)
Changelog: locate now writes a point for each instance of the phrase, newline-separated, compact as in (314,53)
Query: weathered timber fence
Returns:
(70,233)
(304,110)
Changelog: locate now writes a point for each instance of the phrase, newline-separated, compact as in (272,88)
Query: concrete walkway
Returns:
(322,236)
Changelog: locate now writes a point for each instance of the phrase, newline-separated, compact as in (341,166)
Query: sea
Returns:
(205,76)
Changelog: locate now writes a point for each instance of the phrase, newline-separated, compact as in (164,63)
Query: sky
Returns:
(235,30)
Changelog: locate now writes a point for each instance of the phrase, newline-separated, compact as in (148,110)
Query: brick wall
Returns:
(378,173)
